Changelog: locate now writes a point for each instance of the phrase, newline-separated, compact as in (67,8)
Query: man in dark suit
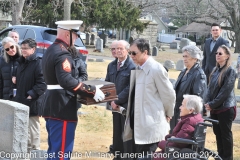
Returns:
(210,48)
(118,72)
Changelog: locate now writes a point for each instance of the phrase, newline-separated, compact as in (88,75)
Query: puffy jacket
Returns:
(30,81)
(220,97)
(7,71)
(184,129)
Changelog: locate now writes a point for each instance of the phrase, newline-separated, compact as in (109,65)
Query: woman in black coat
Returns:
(30,86)
(191,80)
(8,66)
(220,101)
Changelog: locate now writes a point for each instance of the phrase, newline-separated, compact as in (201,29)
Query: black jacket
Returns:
(79,72)
(209,58)
(57,68)
(30,82)
(193,83)
(219,97)
(121,79)
(7,71)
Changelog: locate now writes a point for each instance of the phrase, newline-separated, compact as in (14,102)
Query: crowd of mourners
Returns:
(149,109)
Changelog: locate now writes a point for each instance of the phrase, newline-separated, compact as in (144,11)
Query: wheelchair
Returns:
(197,150)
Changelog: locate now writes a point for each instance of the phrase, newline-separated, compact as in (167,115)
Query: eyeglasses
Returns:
(25,48)
(7,49)
(112,49)
(218,53)
(132,53)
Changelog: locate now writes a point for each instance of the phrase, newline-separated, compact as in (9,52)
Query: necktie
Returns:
(118,65)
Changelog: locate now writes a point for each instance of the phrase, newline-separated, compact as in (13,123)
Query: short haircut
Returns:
(215,24)
(193,51)
(142,44)
(125,43)
(31,42)
(194,102)
(13,31)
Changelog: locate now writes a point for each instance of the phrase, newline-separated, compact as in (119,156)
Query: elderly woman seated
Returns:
(190,116)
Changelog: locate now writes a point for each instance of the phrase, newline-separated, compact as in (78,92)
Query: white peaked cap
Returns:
(69,24)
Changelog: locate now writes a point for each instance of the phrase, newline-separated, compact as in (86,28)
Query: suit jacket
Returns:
(154,100)
(209,59)
(121,79)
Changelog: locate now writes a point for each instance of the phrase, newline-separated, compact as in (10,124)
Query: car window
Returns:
(79,43)
(4,34)
(30,34)
(21,32)
(50,35)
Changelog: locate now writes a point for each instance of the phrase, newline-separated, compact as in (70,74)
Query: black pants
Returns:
(223,132)
(175,118)
(119,147)
(144,150)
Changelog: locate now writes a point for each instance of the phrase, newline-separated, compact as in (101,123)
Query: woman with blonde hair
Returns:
(8,66)
(220,101)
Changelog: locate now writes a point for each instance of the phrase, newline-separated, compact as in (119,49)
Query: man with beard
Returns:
(60,103)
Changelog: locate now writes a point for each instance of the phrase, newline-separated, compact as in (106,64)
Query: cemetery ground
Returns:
(94,130)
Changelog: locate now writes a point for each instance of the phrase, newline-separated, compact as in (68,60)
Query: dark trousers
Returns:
(118,126)
(175,118)
(145,150)
(60,138)
(223,133)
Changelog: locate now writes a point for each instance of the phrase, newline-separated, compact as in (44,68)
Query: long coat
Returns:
(7,71)
(194,83)
(209,58)
(154,100)
(30,81)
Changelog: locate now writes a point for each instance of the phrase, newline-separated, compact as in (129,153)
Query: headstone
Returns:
(87,41)
(169,64)
(234,65)
(184,42)
(173,45)
(91,60)
(180,65)
(130,40)
(99,44)
(92,39)
(99,60)
(104,38)
(154,51)
(14,119)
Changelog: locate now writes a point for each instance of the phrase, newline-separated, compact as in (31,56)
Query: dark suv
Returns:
(43,36)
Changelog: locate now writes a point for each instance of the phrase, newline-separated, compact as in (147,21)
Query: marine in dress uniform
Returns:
(60,103)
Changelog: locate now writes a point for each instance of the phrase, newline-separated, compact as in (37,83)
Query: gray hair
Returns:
(13,31)
(125,43)
(194,52)
(194,102)
(4,42)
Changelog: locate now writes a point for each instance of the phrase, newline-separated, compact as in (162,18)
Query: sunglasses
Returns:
(218,53)
(7,49)
(132,53)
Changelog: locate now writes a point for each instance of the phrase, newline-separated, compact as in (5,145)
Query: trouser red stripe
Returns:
(63,138)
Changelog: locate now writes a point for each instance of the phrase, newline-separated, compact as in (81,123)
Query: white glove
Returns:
(99,95)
